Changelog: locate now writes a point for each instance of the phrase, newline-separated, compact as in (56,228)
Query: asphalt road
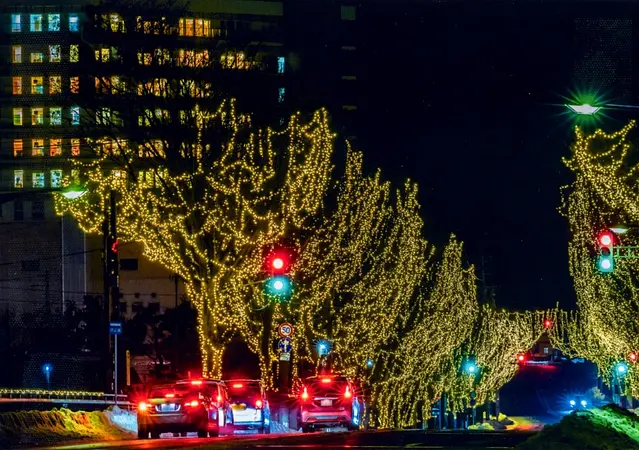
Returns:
(411,439)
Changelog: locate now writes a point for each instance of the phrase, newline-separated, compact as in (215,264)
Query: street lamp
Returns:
(47,369)
(584,109)
(73,192)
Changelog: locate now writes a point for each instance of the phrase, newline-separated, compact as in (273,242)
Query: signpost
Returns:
(285,330)
(115,329)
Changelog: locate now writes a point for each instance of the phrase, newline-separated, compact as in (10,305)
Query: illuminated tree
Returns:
(205,209)
(428,359)
(603,194)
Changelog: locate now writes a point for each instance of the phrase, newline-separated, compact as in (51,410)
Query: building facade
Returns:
(63,65)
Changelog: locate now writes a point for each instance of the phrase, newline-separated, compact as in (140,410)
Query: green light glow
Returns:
(584,109)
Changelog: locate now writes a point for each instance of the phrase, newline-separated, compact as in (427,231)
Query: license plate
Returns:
(168,407)
(326,403)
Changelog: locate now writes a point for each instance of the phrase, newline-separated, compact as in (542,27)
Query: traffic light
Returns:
(632,357)
(547,323)
(277,265)
(606,259)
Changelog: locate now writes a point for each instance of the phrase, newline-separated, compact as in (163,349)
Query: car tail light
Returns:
(326,380)
(196,382)
(170,395)
(238,385)
(192,403)
(219,399)
(143,407)
(347,393)
(258,404)
(305,394)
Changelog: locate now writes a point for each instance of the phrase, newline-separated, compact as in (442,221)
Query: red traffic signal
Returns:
(632,357)
(605,239)
(547,323)
(278,262)
(521,358)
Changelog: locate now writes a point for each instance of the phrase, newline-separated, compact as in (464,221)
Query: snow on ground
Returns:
(58,425)
(121,418)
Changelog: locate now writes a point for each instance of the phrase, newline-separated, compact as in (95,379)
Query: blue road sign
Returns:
(284,345)
(115,328)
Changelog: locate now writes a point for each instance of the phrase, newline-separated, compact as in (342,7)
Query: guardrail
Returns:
(61,397)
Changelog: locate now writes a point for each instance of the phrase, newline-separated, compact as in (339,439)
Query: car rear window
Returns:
(244,392)
(325,386)
(161,392)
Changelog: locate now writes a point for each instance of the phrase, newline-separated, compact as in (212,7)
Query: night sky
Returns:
(467,103)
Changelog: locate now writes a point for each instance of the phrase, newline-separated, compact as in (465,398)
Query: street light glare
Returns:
(73,192)
(585,109)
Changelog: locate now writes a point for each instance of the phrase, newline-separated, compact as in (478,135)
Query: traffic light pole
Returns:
(111,293)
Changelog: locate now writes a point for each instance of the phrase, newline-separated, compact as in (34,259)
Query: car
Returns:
(249,405)
(185,406)
(328,401)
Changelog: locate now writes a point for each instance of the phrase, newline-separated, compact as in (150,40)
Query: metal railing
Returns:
(62,397)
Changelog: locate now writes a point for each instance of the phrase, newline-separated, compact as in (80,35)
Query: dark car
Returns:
(329,401)
(249,405)
(187,406)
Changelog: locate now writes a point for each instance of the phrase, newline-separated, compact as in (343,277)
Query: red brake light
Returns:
(305,394)
(347,393)
(238,385)
(170,395)
(143,406)
(258,404)
(326,380)
(193,403)
(219,398)
(196,382)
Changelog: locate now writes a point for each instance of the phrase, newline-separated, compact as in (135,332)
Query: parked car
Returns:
(185,406)
(329,401)
(250,405)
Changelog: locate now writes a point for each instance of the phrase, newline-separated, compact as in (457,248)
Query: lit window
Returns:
(281,64)
(37,86)
(17,148)
(55,84)
(17,85)
(74,85)
(55,115)
(56,178)
(55,147)
(16,54)
(102,85)
(117,24)
(74,23)
(16,23)
(186,27)
(38,179)
(162,55)
(117,86)
(37,57)
(75,147)
(17,117)
(103,116)
(74,53)
(103,55)
(75,115)
(54,53)
(280,94)
(201,29)
(145,119)
(54,22)
(145,58)
(36,22)
(37,116)
(18,179)
(37,147)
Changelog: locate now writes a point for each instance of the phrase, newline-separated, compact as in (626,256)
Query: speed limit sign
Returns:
(285,330)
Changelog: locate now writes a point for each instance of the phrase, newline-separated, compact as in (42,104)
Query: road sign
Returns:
(285,330)
(115,328)
(285,356)
(284,345)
